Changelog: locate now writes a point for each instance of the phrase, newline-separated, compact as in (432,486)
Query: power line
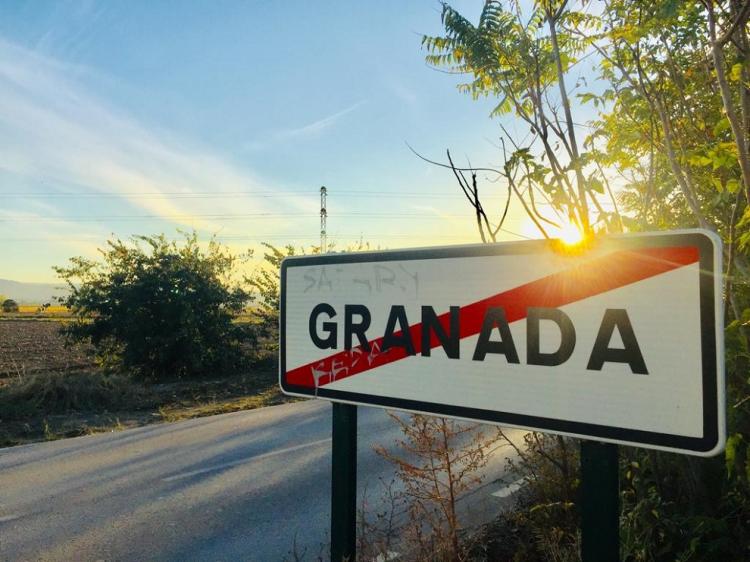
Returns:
(269,236)
(264,237)
(238,216)
(222,195)
(233,194)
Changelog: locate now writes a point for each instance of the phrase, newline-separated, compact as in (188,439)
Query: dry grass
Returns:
(50,406)
(51,428)
(268,397)
(50,390)
(80,391)
(35,309)
(55,313)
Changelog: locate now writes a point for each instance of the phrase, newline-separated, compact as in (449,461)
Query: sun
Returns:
(570,234)
(568,237)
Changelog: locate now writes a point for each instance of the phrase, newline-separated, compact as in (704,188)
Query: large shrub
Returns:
(157,308)
(9,305)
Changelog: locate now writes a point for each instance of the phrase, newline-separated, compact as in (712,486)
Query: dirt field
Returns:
(32,346)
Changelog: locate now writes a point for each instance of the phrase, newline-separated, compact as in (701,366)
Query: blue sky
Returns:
(143,117)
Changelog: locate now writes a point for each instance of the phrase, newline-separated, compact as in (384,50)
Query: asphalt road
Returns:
(241,486)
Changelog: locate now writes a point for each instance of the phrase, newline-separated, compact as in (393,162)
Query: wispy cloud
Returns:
(70,25)
(52,128)
(402,92)
(317,126)
(309,130)
(55,133)
(57,233)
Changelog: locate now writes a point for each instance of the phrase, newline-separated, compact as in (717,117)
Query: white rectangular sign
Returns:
(620,342)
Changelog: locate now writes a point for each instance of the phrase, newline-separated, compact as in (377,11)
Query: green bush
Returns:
(265,283)
(159,309)
(9,305)
(677,508)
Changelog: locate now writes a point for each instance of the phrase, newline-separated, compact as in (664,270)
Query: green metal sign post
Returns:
(600,502)
(344,483)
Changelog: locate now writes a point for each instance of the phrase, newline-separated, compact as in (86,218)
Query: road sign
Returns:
(620,342)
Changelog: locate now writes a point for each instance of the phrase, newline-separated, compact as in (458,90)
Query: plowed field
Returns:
(28,346)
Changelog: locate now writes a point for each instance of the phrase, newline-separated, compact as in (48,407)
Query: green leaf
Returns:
(699,160)
(736,73)
(587,97)
(733,445)
(732,185)
(743,240)
(721,126)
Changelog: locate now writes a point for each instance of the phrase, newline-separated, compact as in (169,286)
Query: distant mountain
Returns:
(31,293)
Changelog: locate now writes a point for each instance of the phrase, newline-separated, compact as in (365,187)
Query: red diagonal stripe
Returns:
(587,279)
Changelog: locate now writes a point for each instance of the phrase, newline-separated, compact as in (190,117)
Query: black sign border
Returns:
(709,442)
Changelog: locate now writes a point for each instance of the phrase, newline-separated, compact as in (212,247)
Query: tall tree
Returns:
(525,59)
(669,146)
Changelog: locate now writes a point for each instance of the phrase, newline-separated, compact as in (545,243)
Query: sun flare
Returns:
(570,234)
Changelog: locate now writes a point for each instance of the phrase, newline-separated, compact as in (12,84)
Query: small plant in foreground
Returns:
(438,461)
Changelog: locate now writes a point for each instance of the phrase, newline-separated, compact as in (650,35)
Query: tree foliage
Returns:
(524,60)
(265,284)
(668,149)
(157,308)
(9,305)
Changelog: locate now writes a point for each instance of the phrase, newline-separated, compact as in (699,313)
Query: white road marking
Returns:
(5,518)
(509,490)
(246,460)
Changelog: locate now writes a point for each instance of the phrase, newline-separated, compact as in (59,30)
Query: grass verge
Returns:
(54,405)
